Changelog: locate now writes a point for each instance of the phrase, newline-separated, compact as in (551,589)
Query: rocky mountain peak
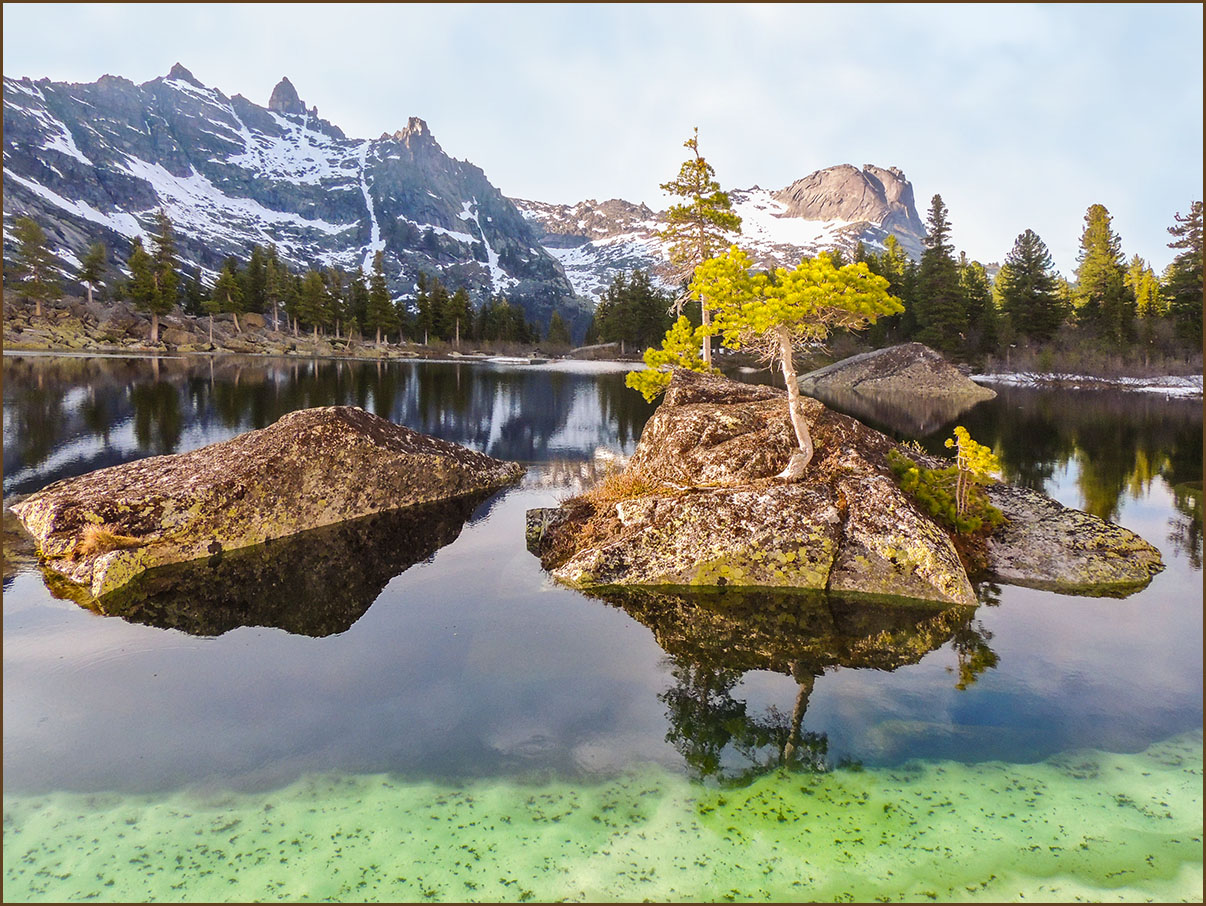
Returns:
(180,74)
(285,99)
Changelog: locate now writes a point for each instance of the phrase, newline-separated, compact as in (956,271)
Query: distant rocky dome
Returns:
(907,368)
(872,194)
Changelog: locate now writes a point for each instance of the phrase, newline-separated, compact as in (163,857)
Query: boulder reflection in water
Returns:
(316,583)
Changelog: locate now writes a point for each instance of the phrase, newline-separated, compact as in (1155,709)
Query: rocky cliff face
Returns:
(94,161)
(832,208)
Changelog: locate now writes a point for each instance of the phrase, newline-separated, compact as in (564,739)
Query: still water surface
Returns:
(408,709)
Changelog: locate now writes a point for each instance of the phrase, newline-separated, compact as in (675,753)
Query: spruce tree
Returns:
(981,312)
(379,314)
(424,325)
(291,294)
(941,309)
(1183,277)
(142,276)
(226,296)
(275,278)
(1102,297)
(93,267)
(35,263)
(336,299)
(457,316)
(167,284)
(558,334)
(1028,290)
(698,228)
(313,306)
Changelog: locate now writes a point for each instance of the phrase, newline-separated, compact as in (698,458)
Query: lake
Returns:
(409,709)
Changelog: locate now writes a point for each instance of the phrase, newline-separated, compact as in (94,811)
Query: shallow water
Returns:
(461,729)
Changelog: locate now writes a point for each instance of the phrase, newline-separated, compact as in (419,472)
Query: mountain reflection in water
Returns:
(316,583)
(713,639)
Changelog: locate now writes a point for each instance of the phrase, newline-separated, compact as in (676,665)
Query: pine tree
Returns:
(558,334)
(93,267)
(771,313)
(226,296)
(981,312)
(440,329)
(35,263)
(1142,283)
(457,316)
(194,294)
(275,277)
(166,294)
(313,306)
(254,278)
(1102,297)
(336,300)
(698,228)
(1183,277)
(941,309)
(424,325)
(142,276)
(379,314)
(1028,292)
(291,299)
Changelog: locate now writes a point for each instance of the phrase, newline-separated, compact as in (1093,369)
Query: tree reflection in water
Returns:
(713,639)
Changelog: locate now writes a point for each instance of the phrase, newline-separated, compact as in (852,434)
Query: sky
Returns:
(1020,116)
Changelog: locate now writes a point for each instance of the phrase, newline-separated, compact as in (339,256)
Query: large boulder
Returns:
(699,505)
(313,467)
(911,369)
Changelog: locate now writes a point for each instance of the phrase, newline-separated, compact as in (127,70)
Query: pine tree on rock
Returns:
(1028,289)
(93,267)
(698,228)
(772,313)
(1102,297)
(1183,277)
(941,309)
(35,263)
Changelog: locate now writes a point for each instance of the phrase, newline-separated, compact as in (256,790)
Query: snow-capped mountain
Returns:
(832,208)
(94,161)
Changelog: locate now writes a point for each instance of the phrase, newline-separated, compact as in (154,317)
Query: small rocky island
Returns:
(699,505)
(312,468)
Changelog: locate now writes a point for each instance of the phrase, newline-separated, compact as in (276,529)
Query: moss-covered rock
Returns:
(313,467)
(1044,544)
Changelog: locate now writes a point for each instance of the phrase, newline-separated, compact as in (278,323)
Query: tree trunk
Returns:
(800,460)
(38,307)
(211,330)
(238,329)
(803,692)
(89,285)
(706,314)
(315,331)
(154,327)
(378,336)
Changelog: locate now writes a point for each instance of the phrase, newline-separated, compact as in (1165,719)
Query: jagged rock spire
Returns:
(180,74)
(285,99)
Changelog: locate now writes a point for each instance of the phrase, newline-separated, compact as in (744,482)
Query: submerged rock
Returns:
(699,505)
(909,368)
(313,467)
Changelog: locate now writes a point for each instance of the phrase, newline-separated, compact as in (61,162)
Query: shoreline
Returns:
(1185,386)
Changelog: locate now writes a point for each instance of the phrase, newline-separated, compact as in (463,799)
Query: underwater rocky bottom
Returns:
(1082,825)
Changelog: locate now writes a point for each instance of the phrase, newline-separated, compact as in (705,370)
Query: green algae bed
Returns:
(1080,826)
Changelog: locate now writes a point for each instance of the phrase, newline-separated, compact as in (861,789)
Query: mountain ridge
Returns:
(93,161)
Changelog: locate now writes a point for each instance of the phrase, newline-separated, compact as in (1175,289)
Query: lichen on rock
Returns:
(313,467)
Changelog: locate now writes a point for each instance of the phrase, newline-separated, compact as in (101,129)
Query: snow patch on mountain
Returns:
(119,221)
(499,278)
(375,242)
(196,206)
